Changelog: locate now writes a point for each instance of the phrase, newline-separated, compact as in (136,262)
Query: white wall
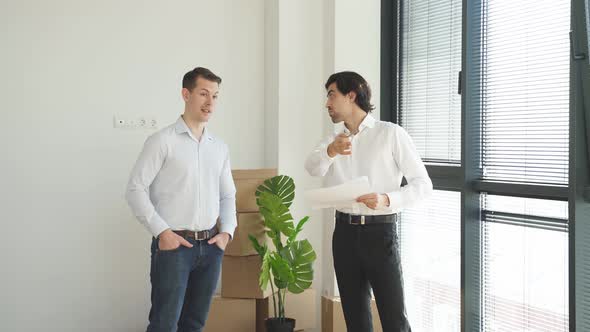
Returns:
(357,41)
(73,258)
(301,115)
(271,82)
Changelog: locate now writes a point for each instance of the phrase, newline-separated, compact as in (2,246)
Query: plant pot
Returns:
(280,324)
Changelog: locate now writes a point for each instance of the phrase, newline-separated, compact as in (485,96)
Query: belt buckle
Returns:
(205,235)
(362,221)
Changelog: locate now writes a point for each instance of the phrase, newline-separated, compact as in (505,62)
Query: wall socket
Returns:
(135,122)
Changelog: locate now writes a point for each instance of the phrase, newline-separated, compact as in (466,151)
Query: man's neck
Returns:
(355,121)
(197,128)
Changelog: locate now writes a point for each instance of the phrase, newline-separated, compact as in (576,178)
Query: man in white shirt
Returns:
(179,187)
(364,243)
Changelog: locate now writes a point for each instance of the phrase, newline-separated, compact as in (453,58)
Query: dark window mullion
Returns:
(445,177)
(559,193)
(389,60)
(471,227)
(579,207)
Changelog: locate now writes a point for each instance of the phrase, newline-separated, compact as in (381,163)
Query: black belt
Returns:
(199,235)
(355,219)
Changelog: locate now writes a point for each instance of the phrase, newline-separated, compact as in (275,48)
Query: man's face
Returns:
(202,100)
(339,106)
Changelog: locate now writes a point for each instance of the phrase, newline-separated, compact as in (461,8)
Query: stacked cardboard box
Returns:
(236,315)
(241,263)
(249,223)
(239,277)
(333,317)
(246,183)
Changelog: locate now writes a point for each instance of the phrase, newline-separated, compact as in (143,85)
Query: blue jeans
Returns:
(183,283)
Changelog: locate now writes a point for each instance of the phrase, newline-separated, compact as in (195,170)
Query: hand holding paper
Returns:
(342,195)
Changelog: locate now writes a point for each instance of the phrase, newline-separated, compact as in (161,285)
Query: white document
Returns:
(342,195)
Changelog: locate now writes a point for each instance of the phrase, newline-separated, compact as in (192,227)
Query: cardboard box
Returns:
(333,317)
(246,183)
(248,223)
(236,315)
(239,277)
(301,307)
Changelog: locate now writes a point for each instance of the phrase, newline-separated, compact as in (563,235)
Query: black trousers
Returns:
(365,257)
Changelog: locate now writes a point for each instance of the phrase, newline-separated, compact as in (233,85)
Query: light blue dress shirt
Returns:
(181,183)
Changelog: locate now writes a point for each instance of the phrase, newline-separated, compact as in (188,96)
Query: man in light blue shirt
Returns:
(180,186)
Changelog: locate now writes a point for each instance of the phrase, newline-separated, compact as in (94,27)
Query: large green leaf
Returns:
(297,230)
(277,216)
(281,270)
(261,250)
(300,255)
(265,271)
(280,185)
(275,236)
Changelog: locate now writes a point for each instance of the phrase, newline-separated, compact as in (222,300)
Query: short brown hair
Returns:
(189,81)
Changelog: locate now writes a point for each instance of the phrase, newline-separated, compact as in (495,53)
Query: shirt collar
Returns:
(368,122)
(181,127)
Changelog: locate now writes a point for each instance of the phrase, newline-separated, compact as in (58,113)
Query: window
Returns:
(430,239)
(525,264)
(430,106)
(525,83)
(524,99)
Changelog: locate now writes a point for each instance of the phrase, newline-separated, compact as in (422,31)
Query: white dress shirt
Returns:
(182,183)
(382,151)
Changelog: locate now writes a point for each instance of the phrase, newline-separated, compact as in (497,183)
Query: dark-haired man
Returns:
(179,187)
(364,244)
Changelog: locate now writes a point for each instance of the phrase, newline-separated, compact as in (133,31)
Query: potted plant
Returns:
(288,267)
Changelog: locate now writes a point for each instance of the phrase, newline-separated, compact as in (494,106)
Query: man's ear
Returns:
(185,94)
(352,96)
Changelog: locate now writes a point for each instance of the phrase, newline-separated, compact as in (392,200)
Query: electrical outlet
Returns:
(135,122)
(152,123)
